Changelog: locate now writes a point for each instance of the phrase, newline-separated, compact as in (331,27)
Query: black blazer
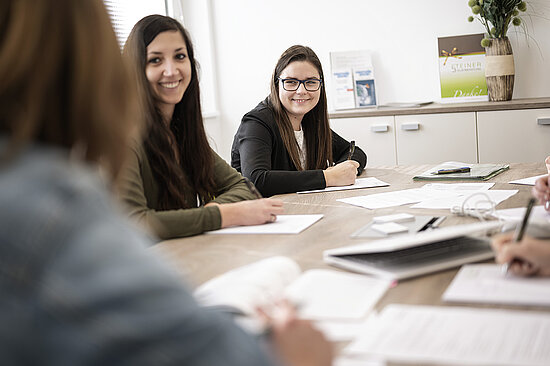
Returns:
(258,152)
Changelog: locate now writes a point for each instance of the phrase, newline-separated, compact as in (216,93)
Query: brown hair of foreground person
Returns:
(81,97)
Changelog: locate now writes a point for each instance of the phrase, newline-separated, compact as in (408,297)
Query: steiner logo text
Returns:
(466,66)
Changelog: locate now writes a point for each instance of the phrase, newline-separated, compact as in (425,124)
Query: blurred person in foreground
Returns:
(77,285)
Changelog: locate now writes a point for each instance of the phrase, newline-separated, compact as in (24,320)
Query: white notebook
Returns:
(320,294)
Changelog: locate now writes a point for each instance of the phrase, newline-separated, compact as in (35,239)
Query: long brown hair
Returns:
(179,154)
(317,133)
(64,82)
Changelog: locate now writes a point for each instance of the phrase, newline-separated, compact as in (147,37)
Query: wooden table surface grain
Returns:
(203,257)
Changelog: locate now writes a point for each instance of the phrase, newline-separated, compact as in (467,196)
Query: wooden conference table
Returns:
(205,256)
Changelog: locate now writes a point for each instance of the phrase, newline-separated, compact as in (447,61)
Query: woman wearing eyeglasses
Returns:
(285,144)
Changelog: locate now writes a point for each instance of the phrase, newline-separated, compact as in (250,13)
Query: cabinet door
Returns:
(375,135)
(514,136)
(435,138)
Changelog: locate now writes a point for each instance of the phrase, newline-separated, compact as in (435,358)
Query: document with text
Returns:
(487,283)
(457,336)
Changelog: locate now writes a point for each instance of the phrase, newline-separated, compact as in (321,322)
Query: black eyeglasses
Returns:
(294,84)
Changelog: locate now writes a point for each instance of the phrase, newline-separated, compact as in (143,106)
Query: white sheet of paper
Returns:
(457,335)
(285,224)
(527,181)
(396,198)
(538,213)
(370,182)
(486,283)
(480,201)
(329,294)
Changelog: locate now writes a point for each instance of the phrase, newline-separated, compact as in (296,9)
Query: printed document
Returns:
(438,192)
(285,224)
(457,335)
(487,283)
(370,182)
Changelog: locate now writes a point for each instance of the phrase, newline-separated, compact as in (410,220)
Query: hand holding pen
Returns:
(532,256)
(518,264)
(351,149)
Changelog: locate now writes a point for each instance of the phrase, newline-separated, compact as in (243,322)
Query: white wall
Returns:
(249,35)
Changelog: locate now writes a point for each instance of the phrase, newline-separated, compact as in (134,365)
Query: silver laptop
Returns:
(406,256)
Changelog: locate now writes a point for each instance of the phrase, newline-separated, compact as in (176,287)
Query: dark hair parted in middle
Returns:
(317,133)
(178,152)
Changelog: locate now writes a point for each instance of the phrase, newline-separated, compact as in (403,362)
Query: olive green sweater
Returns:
(140,192)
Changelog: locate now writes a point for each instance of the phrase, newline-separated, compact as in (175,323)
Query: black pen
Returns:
(252,188)
(464,169)
(351,149)
(520,230)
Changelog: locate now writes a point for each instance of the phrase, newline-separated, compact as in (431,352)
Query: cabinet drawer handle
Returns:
(413,126)
(543,121)
(379,128)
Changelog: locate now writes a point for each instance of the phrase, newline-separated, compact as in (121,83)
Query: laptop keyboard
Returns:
(443,250)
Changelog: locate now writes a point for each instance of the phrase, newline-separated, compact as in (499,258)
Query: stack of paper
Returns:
(436,196)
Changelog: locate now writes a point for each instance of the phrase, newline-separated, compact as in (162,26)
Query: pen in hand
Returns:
(520,231)
(351,149)
(252,188)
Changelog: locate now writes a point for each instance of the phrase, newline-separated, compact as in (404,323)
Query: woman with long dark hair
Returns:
(176,184)
(285,144)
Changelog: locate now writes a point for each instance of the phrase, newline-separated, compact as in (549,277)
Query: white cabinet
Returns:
(517,131)
(434,138)
(514,135)
(375,135)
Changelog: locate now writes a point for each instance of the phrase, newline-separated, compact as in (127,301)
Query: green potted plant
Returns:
(497,16)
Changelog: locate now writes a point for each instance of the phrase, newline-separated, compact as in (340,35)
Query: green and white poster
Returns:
(462,68)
